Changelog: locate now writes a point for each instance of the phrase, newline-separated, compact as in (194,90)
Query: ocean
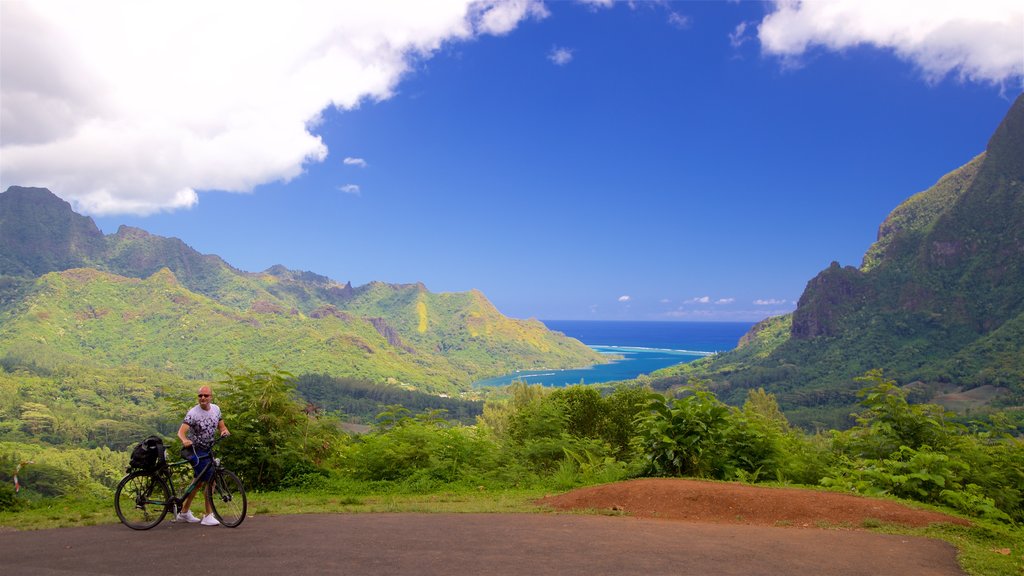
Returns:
(644,347)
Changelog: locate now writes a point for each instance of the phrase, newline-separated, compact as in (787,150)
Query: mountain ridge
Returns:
(80,290)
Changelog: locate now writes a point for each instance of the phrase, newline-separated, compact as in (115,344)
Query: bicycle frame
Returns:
(176,497)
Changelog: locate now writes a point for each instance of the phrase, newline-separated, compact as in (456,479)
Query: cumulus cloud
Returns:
(350,189)
(725,301)
(122,106)
(560,56)
(624,298)
(768,302)
(350,161)
(699,300)
(978,41)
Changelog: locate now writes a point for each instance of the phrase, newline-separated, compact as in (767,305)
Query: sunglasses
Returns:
(204,395)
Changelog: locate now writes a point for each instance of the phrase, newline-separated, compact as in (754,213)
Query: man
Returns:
(197,434)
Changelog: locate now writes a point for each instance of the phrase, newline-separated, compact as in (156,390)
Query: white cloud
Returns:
(560,56)
(725,301)
(768,302)
(741,35)
(624,298)
(350,189)
(721,314)
(350,161)
(502,16)
(699,300)
(665,301)
(979,41)
(124,106)
(678,20)
(598,3)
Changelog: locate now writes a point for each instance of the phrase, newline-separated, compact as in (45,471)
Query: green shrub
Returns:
(48,480)
(7,497)
(685,436)
(424,450)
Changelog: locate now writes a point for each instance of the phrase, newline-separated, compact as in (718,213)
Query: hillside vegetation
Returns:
(72,296)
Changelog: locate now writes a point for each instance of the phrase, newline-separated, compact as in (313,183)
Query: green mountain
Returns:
(39,233)
(938,304)
(72,296)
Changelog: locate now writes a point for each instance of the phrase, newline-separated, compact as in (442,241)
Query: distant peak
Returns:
(1006,147)
(131,232)
(16,190)
(34,195)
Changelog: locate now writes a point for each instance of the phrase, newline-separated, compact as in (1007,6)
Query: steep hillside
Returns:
(939,300)
(465,327)
(39,233)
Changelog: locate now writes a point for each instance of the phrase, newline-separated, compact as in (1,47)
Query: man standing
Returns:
(197,434)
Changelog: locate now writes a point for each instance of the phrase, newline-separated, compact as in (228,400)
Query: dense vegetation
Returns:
(361,401)
(566,437)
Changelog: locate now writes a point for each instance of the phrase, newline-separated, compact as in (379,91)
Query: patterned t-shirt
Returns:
(203,425)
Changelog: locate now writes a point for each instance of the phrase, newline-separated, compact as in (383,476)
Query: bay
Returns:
(643,346)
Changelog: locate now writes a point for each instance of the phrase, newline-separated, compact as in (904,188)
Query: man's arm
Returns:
(223,428)
(182,430)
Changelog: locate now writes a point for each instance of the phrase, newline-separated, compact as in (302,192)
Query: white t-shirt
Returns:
(203,425)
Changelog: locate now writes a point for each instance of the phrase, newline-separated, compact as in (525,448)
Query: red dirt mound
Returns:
(732,503)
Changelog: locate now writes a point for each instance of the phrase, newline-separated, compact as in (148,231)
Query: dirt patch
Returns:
(733,503)
(962,400)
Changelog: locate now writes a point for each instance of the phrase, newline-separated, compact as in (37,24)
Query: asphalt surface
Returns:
(469,544)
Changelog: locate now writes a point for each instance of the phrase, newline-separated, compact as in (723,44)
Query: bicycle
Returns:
(144,497)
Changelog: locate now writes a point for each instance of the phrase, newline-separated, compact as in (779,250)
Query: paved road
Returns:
(470,544)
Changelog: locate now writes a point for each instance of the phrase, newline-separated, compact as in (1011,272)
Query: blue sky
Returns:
(645,161)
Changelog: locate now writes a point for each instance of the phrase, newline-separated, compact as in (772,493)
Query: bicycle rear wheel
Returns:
(141,500)
(227,497)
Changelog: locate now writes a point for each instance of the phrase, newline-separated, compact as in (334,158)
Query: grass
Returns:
(59,513)
(87,511)
(984,549)
(510,501)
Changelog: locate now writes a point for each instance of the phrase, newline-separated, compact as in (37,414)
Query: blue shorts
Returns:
(201,461)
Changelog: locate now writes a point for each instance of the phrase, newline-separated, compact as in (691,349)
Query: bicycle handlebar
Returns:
(193,445)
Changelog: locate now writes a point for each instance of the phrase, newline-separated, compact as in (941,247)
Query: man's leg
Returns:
(188,499)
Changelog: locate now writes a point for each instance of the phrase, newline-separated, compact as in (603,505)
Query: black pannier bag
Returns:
(148,454)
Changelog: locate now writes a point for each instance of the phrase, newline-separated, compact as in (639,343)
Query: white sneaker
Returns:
(186,517)
(209,520)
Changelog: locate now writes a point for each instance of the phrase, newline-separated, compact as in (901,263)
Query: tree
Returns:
(272,429)
(889,422)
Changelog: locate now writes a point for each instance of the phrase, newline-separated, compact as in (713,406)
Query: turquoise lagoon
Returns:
(642,348)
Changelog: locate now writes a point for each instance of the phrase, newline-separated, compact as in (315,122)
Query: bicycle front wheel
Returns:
(227,497)
(141,500)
